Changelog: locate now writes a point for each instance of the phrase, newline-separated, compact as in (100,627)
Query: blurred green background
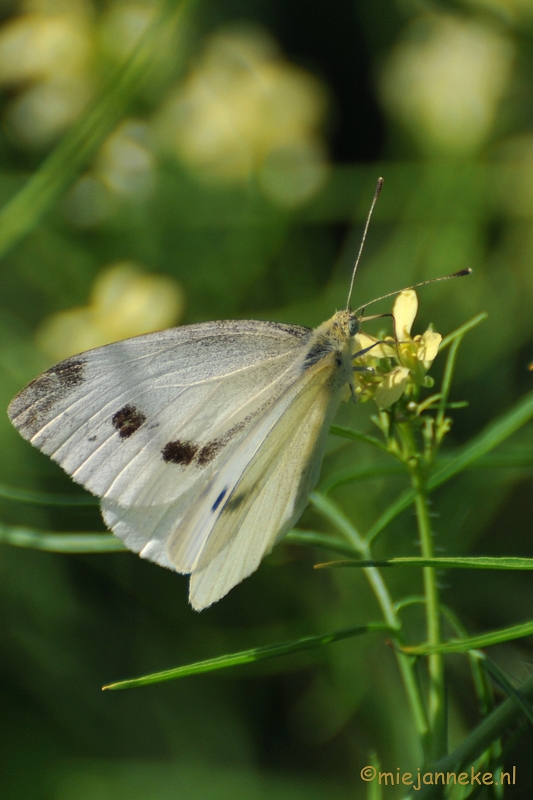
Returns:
(226,172)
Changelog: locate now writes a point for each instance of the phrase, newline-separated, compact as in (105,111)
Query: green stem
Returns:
(437,696)
(405,665)
(417,466)
(328,509)
(490,729)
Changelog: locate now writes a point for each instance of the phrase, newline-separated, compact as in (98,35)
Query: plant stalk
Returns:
(330,511)
(437,686)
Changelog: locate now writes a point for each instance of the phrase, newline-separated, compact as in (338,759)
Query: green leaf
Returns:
(512,457)
(60,542)
(326,540)
(458,333)
(353,474)
(494,434)
(349,433)
(105,543)
(451,562)
(474,642)
(482,683)
(45,498)
(250,656)
(498,676)
(331,511)
(489,730)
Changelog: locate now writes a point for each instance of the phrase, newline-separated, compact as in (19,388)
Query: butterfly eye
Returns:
(353,326)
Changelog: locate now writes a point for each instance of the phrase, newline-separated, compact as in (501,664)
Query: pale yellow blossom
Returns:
(54,53)
(416,352)
(391,388)
(124,168)
(413,355)
(245,111)
(404,313)
(124,302)
(428,347)
(126,162)
(445,79)
(47,53)
(44,43)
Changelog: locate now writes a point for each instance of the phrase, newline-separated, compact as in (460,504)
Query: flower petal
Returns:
(404,313)
(428,346)
(392,387)
(362,341)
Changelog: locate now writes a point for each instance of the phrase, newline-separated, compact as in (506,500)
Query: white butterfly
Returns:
(203,442)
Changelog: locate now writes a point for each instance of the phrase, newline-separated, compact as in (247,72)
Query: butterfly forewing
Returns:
(202,442)
(140,422)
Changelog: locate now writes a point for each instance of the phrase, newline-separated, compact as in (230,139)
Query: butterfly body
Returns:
(203,442)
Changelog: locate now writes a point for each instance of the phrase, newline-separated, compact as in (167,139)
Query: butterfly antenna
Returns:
(379,186)
(459,274)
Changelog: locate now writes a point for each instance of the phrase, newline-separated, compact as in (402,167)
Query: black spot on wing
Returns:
(200,455)
(179,452)
(127,421)
(210,450)
(30,410)
(184,452)
(219,500)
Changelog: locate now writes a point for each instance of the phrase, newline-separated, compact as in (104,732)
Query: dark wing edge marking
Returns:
(29,408)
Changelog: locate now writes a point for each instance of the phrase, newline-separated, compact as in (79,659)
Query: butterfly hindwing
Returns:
(271,493)
(220,534)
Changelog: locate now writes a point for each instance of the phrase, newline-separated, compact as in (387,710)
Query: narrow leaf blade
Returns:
(249,656)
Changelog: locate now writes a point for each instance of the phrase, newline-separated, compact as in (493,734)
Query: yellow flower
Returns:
(412,354)
(391,388)
(53,55)
(445,79)
(124,169)
(242,111)
(126,163)
(125,301)
(47,54)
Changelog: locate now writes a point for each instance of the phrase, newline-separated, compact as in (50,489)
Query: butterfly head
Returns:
(345,324)
(333,340)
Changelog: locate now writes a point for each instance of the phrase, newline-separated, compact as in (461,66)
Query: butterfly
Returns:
(202,442)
